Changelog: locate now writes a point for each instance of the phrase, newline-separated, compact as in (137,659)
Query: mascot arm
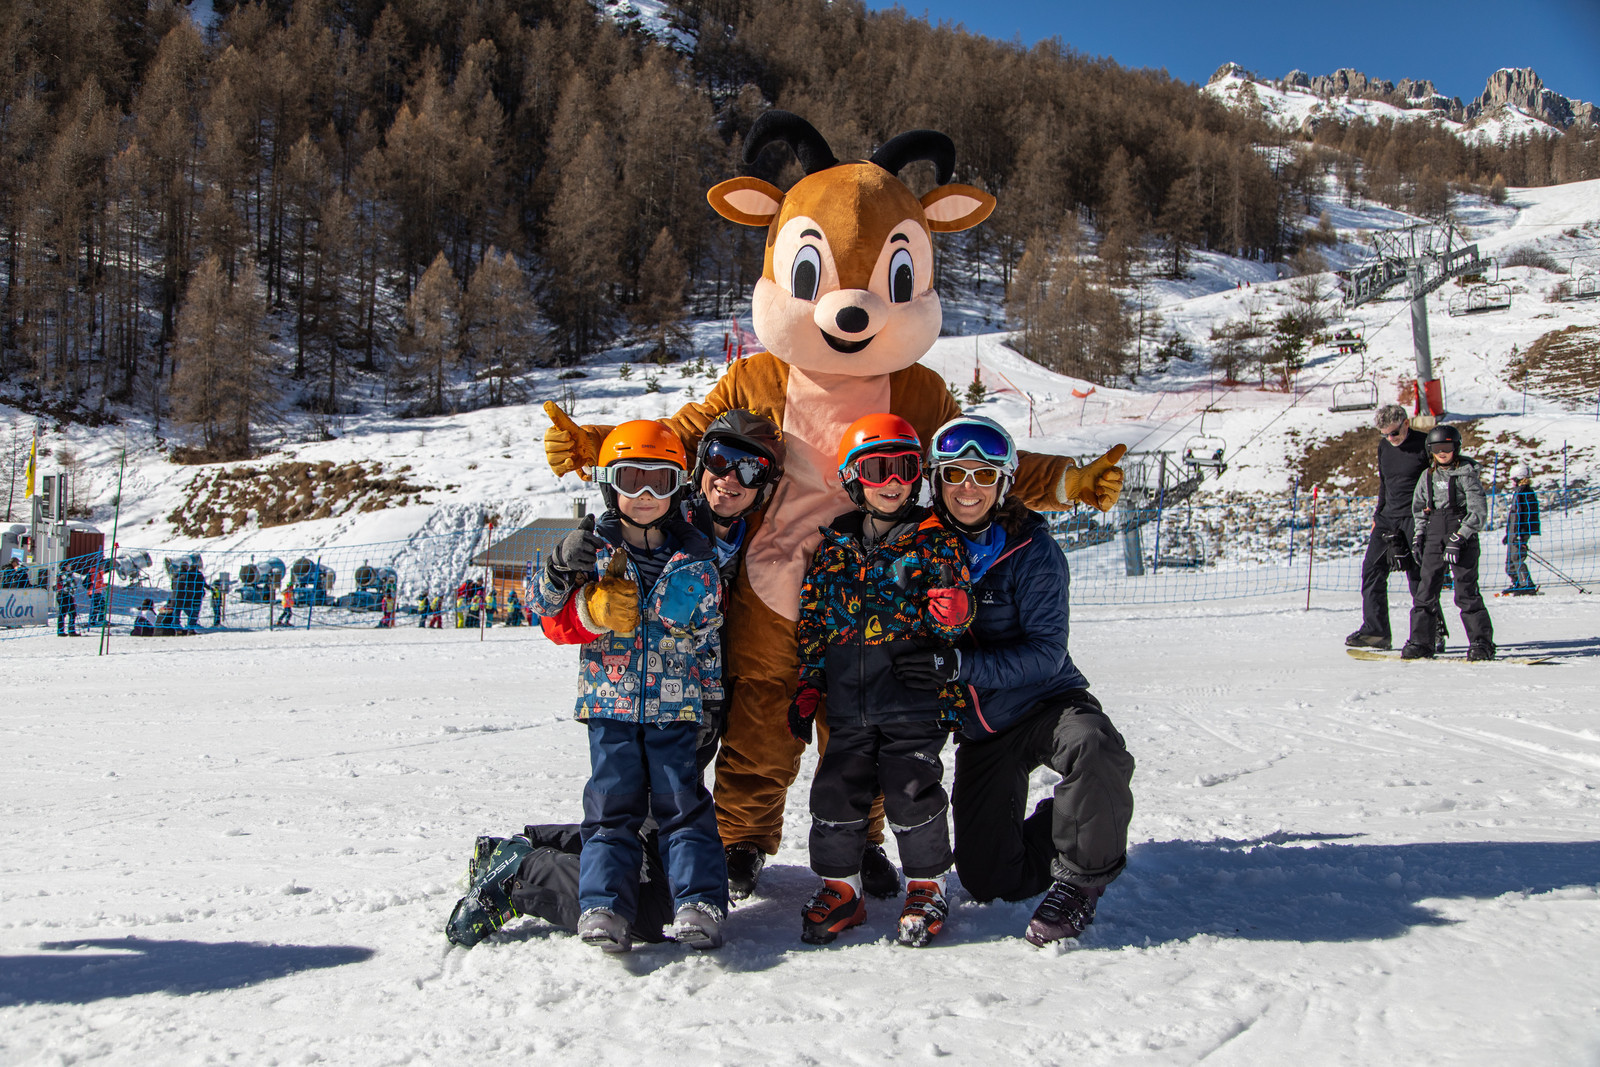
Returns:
(757,384)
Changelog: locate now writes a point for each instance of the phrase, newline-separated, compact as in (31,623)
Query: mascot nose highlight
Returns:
(853,314)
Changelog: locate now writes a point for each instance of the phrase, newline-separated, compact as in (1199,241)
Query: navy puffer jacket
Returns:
(1015,653)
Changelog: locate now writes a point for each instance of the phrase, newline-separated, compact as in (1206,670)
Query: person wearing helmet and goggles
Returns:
(1029,706)
(639,590)
(1522,522)
(1448,508)
(885,577)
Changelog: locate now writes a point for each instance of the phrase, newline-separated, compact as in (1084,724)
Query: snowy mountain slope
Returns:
(244,848)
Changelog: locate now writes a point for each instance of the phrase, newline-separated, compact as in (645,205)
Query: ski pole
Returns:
(1549,567)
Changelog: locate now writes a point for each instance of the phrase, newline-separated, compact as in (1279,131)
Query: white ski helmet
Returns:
(1520,472)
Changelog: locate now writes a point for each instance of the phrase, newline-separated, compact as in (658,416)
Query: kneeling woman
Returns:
(1031,706)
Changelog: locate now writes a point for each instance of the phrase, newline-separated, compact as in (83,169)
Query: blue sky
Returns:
(1456,44)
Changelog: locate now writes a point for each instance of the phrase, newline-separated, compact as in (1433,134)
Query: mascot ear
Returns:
(749,201)
(951,208)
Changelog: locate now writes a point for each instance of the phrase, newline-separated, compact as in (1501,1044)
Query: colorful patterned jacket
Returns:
(671,662)
(860,606)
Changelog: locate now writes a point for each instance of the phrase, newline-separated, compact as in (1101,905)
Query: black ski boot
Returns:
(1065,912)
(487,906)
(745,861)
(878,876)
(1479,653)
(1362,639)
(1416,651)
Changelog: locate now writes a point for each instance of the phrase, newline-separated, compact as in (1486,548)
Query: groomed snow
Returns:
(243,847)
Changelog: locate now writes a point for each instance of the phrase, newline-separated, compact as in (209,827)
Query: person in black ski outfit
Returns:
(1448,509)
(66,606)
(1522,522)
(1029,704)
(1401,461)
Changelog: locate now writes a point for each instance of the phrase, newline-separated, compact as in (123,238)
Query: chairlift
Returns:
(1345,336)
(1587,285)
(1205,451)
(1479,298)
(1357,394)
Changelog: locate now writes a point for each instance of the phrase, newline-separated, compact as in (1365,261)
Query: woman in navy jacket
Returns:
(1030,705)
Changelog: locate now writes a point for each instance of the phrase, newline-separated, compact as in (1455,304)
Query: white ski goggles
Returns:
(636,479)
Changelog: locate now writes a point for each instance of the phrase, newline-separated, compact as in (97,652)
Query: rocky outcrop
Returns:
(1523,89)
(1407,93)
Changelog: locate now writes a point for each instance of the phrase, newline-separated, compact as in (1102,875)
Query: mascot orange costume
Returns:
(845,308)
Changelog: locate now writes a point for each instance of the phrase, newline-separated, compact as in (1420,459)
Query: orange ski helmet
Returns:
(642,439)
(871,432)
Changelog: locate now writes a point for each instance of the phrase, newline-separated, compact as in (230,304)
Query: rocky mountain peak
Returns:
(1524,90)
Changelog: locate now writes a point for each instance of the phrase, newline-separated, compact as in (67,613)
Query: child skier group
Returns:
(885,612)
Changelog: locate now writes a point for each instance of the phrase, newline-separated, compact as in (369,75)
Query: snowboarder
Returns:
(886,576)
(1030,706)
(1401,461)
(639,591)
(1522,522)
(1448,509)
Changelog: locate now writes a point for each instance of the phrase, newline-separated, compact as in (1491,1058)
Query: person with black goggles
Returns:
(1028,706)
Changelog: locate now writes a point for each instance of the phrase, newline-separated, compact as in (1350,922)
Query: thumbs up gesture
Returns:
(613,601)
(568,446)
(1098,485)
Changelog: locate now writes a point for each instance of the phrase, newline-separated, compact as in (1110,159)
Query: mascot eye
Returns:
(902,277)
(806,272)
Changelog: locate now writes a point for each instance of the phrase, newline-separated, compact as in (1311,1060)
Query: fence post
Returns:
(1311,549)
(316,591)
(1294,509)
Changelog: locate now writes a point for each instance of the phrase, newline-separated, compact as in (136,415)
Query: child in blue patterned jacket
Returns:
(641,593)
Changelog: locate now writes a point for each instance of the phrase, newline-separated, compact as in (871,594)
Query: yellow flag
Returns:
(33,465)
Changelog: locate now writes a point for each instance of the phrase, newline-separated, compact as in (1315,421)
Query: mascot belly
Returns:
(846,307)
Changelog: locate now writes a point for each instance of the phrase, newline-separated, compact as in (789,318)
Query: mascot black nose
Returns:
(852,319)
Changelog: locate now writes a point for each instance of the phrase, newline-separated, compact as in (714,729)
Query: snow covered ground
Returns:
(227,850)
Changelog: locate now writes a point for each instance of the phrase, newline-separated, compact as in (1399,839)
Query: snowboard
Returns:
(1394,657)
(1497,595)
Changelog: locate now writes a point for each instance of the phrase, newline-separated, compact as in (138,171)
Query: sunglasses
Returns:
(879,469)
(984,476)
(633,479)
(752,470)
(1398,431)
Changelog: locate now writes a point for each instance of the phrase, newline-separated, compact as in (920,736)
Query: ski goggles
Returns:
(877,469)
(973,440)
(636,479)
(752,469)
(984,476)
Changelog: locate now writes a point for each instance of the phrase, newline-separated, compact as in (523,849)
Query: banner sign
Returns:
(24,607)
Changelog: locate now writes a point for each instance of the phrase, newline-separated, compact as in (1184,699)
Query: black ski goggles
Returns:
(752,469)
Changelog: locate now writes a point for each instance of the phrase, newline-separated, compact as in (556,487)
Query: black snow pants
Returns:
(547,882)
(900,759)
(1079,835)
(1464,574)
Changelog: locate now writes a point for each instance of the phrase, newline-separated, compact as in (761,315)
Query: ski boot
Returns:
(605,930)
(1479,653)
(924,914)
(745,861)
(878,876)
(1065,912)
(1416,651)
(833,908)
(698,925)
(1362,639)
(487,906)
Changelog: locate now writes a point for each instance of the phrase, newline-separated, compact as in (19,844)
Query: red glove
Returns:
(952,607)
(803,712)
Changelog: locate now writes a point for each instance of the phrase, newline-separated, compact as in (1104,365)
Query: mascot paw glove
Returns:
(568,446)
(927,668)
(803,712)
(613,601)
(1098,485)
(952,607)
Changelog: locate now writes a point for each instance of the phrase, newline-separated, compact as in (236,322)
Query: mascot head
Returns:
(846,287)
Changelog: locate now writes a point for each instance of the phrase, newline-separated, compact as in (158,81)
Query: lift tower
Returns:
(1422,257)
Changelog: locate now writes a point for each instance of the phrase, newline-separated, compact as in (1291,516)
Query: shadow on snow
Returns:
(130,966)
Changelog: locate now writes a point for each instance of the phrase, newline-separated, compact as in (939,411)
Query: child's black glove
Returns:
(713,720)
(1452,549)
(575,553)
(927,668)
(803,712)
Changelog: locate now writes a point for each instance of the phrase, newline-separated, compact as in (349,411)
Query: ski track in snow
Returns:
(223,849)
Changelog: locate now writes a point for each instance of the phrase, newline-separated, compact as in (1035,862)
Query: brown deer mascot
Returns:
(845,308)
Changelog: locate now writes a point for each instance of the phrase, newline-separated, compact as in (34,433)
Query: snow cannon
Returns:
(130,567)
(312,582)
(258,581)
(176,565)
(371,583)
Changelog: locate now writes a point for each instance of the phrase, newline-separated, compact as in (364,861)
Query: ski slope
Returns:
(243,848)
